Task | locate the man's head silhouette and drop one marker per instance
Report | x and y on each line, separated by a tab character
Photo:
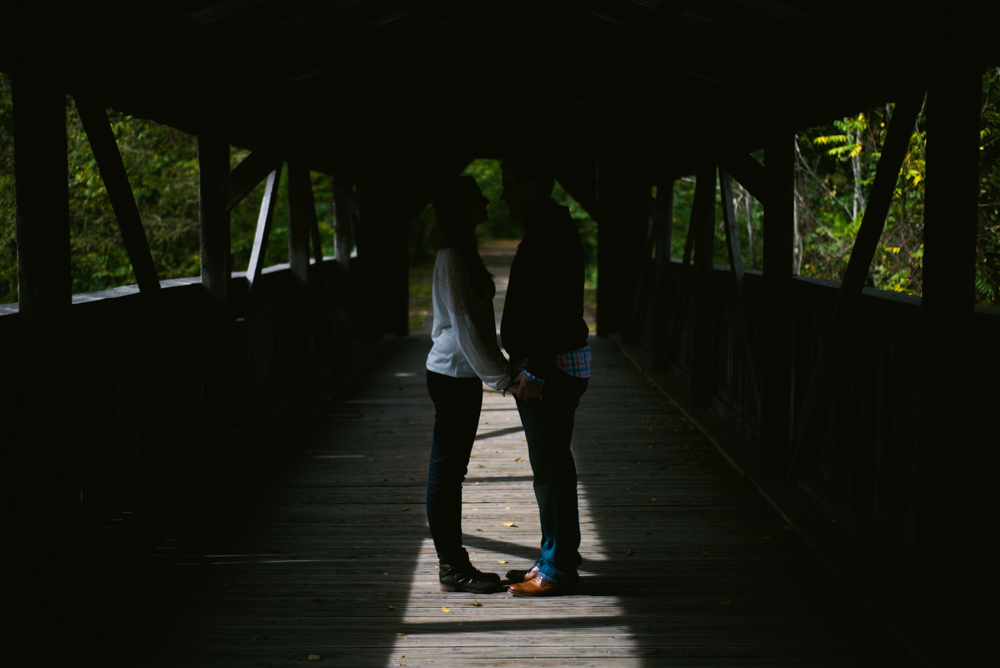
526	180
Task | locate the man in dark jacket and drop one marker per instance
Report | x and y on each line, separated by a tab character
544	333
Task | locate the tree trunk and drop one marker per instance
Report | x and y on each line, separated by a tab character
859	201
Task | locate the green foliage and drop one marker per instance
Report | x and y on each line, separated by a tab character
162	165
835	169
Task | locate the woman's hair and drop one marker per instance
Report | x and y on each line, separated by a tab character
451	209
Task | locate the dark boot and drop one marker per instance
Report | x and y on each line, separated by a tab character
467	578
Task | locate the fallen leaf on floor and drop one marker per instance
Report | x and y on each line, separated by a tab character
659	467
629	551
519	495
706	553
495	451
314	657
478	529
518	460
654	499
481	466
524	440
360	547
507	508
402	509
398	457
444	609
595	442
509	524
400	634
726	602
392	607
501	561
477	604
293	655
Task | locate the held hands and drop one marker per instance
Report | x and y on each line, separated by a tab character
524	389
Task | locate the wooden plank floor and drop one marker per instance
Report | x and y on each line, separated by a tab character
684	564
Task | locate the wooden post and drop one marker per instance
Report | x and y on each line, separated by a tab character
776	360
736	275
41	175
302	216
39	375
954	496
621	233
344	293
703	213
607	242
662	292
675	326
213	160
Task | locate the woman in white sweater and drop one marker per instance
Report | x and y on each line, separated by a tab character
465	355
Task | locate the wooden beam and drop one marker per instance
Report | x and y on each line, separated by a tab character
213	161
958	438
263	231
41	175
664	241
736	274
647	273
776	360
116	182
301	216
39	376
248	175
835	340
676	324
751	174
703	210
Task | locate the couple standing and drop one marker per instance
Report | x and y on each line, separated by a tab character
544	332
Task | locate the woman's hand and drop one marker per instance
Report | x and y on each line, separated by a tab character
527	390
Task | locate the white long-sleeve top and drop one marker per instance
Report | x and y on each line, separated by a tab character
464	333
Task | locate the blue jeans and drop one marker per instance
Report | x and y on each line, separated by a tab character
548	426
457	404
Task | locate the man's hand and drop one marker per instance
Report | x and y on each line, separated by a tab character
514	387
527	389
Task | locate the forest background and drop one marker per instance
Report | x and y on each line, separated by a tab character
835	169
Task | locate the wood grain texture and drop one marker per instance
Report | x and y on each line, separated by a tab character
684	564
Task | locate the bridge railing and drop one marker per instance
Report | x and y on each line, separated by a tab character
864	461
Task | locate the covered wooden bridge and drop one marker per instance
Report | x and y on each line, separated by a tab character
227	469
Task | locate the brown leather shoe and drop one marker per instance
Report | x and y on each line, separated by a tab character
523	576
538	586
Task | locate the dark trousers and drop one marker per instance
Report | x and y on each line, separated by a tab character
457	404
548	426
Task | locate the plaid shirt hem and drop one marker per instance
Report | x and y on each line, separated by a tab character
574	363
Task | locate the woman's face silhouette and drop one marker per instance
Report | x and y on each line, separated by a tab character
476	206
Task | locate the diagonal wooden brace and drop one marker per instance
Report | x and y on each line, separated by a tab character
886	174
109	161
